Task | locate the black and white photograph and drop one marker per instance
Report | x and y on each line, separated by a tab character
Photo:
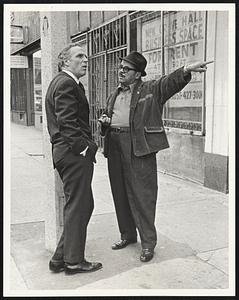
119	150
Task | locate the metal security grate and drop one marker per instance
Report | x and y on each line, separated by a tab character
105	45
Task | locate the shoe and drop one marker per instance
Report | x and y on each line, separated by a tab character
56	266
83	267
146	255
122	244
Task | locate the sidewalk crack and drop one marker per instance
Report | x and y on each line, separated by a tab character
215	249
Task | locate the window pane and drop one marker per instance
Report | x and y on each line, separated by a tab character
84	21
151	47
37	81
184	43
96	18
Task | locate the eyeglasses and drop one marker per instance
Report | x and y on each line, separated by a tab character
125	69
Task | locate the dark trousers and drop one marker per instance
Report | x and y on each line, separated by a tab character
134	187
76	173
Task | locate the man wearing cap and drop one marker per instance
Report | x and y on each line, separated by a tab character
133	133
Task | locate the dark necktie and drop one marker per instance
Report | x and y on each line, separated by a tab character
81	86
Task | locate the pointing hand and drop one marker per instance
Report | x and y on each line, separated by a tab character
197	66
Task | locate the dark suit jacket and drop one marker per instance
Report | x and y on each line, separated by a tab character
146	107
67	112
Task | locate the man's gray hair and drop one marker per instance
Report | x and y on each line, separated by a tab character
65	54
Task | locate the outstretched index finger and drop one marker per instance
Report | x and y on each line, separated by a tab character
208	62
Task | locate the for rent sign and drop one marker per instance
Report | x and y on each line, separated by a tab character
184	38
151	47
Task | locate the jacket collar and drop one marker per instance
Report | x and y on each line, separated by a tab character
123	88
77	80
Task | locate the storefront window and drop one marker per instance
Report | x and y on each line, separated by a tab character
184	34
37	81
151	45
183	42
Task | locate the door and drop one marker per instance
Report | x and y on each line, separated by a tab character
22	93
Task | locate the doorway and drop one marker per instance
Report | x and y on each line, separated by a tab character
37	89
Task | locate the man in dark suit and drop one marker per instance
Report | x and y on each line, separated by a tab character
73	153
133	129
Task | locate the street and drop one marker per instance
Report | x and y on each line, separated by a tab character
191	220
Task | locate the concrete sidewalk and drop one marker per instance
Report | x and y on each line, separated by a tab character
192	224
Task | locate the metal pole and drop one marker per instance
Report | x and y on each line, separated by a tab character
105	41
203	129
128	33
162	44
162	59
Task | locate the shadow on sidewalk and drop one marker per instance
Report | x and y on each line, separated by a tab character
28	250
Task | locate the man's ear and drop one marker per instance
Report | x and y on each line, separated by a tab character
138	75
66	62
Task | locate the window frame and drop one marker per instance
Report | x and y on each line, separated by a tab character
135	16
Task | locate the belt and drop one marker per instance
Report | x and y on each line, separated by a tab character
119	129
